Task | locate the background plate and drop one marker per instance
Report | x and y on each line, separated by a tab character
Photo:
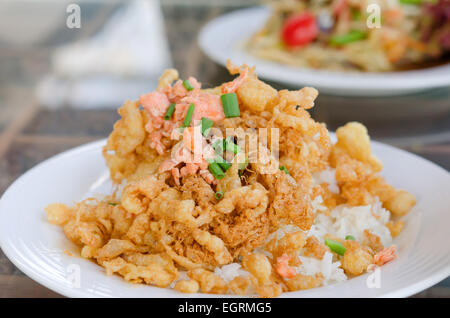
223	38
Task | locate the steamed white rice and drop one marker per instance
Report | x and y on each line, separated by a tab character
231	271
346	220
330	270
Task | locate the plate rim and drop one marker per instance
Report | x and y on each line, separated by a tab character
389	82
16	258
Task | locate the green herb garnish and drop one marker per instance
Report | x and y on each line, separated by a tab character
284	169
335	246
219	195
188	85
169	112
188	118
230	105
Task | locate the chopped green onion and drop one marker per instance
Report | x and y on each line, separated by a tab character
221	162
206	125
350	238
169	112
219	195
350	37
231	146
216	170
224	165
335	246
230	105
284	169
188	85
113	203
415	2
188	118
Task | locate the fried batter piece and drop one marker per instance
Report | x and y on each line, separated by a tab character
128	134
290	245
300	282
357	172
240	285
314	248
356	259
187	286
395	227
373	241
208	281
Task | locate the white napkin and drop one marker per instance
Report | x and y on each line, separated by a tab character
120	62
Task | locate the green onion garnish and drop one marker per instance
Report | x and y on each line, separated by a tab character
222	163
350	37
219	195
188	118
216	170
206	125
415	2
350	238
231	146
335	246
188	85
169	112
230	105
113	203
284	169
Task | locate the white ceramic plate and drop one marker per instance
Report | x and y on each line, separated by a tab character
223	39
38	248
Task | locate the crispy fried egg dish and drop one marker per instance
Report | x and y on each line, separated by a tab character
236	190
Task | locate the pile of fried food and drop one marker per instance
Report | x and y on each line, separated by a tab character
172	223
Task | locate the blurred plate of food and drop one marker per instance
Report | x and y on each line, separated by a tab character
328	45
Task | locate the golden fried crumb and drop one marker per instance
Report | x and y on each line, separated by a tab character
395	227
259	266
209	282
300	282
401	203
58	213
314	248
373	241
240	285
187	286
269	290
356	259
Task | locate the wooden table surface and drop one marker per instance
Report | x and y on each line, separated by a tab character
30	133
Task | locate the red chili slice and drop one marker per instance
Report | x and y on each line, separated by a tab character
300	29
